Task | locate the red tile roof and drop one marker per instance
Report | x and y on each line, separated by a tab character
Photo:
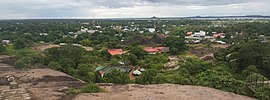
189	33
216	35
156	49
150	49
115	51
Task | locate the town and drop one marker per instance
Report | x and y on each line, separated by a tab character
90	55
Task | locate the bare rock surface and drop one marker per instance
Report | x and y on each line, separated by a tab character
160	92
48	84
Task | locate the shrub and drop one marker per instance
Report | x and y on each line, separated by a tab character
220	80
90	88
55	65
73	91
117	77
263	93
24	62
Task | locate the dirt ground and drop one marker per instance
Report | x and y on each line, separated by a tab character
200	50
160	92
42	84
47	46
44	47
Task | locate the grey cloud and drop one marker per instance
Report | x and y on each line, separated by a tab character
131	3
110	3
198	2
106	8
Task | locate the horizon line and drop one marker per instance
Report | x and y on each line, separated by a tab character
162	17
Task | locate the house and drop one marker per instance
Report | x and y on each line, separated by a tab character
102	70
116	51
91	31
126	28
62	44
45	34
199	34
5	42
151	30
193	40
220	42
163	49
151	50
84	30
137	73
189	33
98	26
167	32
219	35
155	50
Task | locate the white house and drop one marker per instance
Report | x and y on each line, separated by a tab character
98	26
91	31
220	42
151	30
199	34
5	42
43	34
61	44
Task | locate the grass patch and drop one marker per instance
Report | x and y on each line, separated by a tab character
89	88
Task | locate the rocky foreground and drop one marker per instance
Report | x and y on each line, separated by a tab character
160	92
47	84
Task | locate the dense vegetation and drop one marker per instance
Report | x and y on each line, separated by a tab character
244	63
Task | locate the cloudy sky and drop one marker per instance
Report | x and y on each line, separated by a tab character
25	9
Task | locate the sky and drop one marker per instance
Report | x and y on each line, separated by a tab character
88	9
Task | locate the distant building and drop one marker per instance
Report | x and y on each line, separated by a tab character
116	51
5	42
98	26
43	34
199	34
84	30
91	31
105	70
167	32
155	50
62	44
220	42
151	30
219	35
189	33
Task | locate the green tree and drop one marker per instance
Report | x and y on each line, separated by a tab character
2	49
220	80
73	53
133	59
55	65
177	45
117	77
196	66
91	59
67	63
147	77
139	52
250	69
86	42
263	93
24	62
19	44
105	54
90	88
254	78
85	72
